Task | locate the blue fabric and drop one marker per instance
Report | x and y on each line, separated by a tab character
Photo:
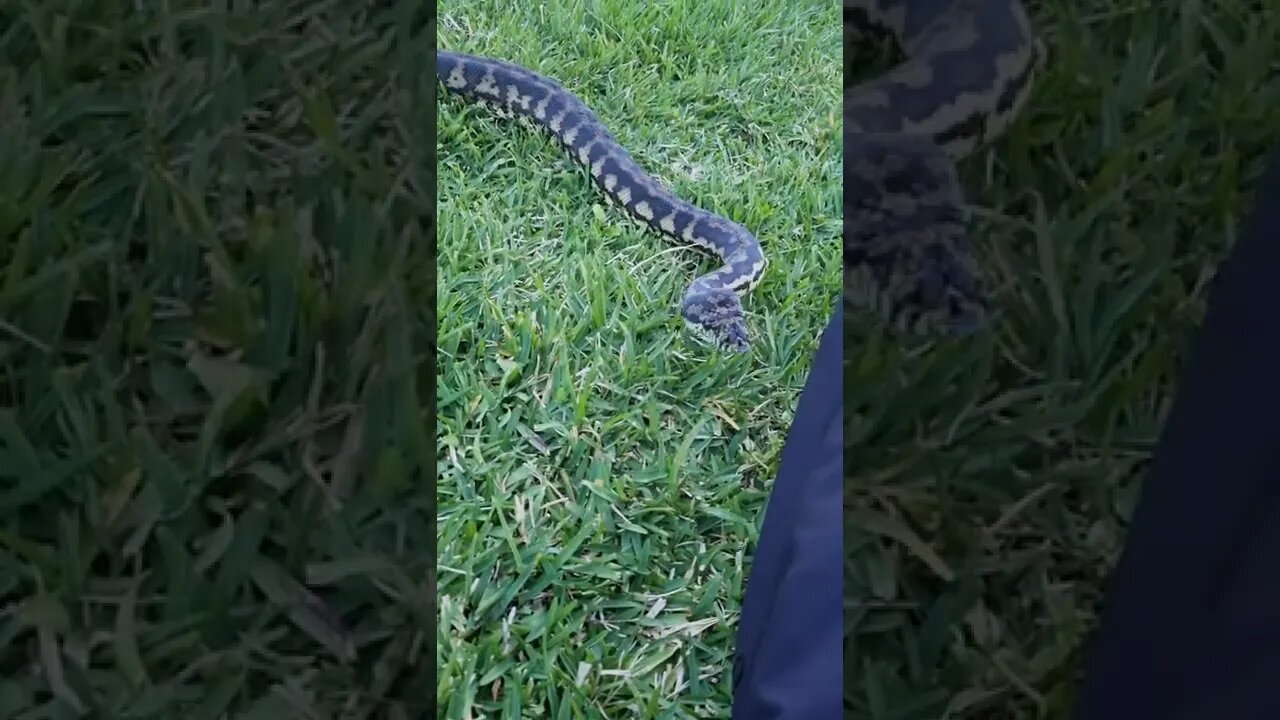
1191	623
788	662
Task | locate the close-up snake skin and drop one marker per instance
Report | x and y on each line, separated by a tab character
712	306
968	69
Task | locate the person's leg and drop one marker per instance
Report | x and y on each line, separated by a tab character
1191	622
788	660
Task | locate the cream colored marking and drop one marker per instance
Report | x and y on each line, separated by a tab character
624	195
598	166
893	17
737	283
643	210
668	223
1006	68
687	233
555	121
916	75
570	135
488	85
457	79
960	35
515	98
540	110
872	98
610	181
1012	66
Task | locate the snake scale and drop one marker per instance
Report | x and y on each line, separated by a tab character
967	71
712	305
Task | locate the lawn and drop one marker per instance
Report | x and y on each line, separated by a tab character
602	475
991	478
213	360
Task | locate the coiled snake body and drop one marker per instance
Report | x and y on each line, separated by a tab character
712	306
969	67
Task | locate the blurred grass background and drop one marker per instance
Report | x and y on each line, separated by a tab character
601	476
213	360
991	479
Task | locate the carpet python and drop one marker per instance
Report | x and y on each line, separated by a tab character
967	71
712	305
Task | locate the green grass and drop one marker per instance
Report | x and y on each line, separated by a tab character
602	475
994	476
213	362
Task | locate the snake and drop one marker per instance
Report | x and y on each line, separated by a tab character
966	71
712	305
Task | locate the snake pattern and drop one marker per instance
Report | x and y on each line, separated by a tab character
712	306
967	71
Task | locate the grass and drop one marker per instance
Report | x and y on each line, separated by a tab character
213	366
601	475
994	476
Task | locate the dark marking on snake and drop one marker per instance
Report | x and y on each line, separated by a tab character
712	305
968	69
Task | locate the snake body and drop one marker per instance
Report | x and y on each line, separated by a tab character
712	305
969	66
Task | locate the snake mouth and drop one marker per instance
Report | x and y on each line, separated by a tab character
735	341
951	307
730	339
950	323
922	302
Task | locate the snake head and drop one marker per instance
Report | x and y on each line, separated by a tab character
906	253
716	316
920	279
